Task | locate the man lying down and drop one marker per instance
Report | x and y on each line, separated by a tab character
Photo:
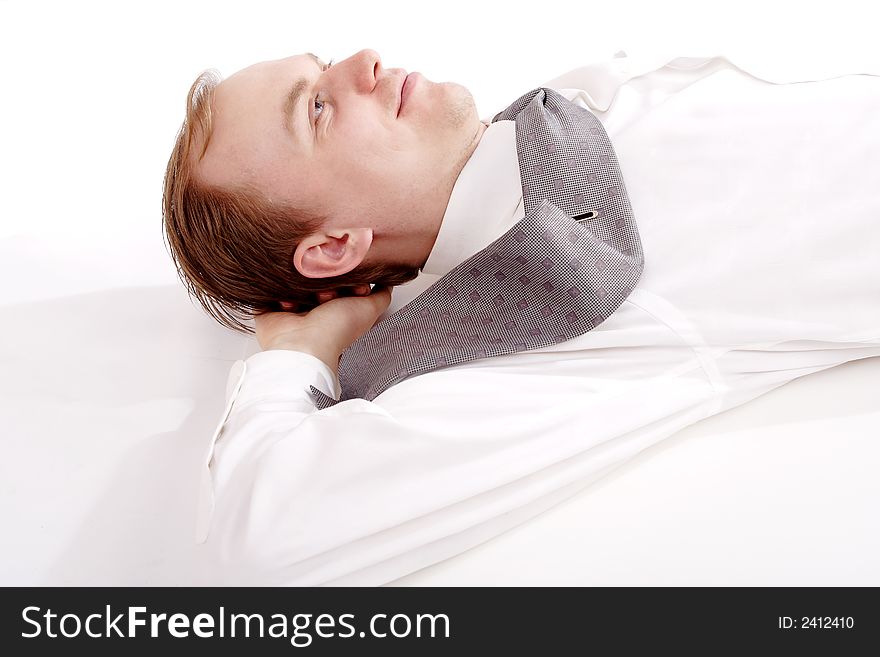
612	257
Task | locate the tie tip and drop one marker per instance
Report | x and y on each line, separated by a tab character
322	400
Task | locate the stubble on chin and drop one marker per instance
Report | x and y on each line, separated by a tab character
461	110
460	116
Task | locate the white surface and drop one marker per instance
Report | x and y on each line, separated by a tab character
112	379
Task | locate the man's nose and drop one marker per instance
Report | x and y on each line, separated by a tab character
368	70
364	68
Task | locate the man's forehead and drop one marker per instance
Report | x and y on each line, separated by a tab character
301	62
258	87
243	109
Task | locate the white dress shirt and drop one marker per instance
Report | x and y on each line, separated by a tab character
756	207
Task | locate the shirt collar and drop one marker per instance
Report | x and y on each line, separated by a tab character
483	202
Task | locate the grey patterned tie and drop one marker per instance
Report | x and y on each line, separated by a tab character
557	273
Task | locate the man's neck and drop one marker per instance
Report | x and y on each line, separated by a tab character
438	219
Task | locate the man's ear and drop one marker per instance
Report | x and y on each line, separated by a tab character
333	253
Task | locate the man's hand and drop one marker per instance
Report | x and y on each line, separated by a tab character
328	329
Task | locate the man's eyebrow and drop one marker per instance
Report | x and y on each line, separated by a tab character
293	97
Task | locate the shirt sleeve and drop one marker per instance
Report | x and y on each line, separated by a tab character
364	492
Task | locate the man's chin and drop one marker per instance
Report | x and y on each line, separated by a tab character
459	108
459	91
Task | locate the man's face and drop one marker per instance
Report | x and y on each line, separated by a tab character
344	147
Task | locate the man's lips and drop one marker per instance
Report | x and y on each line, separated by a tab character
406	89
400	97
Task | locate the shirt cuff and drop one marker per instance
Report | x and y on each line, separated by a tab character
284	375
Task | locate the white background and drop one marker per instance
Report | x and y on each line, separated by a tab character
93	92
92	96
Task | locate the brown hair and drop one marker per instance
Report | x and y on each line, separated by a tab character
232	248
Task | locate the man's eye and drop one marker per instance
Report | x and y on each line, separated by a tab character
317	100
320	102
